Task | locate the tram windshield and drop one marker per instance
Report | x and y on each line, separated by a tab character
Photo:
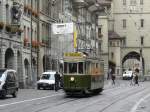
73	67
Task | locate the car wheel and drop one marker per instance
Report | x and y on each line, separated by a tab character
38	87
15	94
53	87
3	96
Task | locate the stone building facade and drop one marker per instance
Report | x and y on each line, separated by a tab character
27	43
129	43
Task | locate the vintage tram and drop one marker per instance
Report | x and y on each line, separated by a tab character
82	74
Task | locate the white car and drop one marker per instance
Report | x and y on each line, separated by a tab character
47	80
127	74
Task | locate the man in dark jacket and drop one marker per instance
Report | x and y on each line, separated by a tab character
113	77
57	80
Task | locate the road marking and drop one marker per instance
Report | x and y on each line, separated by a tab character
138	103
30	100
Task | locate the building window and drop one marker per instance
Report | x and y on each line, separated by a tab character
123	42
110	43
142	23
99	32
132	2
142	40
141	2
112	55
100	47
7	14
124	2
28	32
113	44
24	31
124	23
117	43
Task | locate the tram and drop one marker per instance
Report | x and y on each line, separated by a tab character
82	74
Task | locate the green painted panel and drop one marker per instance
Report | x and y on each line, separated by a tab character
77	81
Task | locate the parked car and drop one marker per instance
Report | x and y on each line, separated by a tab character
47	80
8	83
127	74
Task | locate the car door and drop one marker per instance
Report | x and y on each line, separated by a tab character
10	82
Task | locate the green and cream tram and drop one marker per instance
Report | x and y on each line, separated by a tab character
82	74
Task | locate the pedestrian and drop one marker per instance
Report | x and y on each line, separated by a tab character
132	79
57	81
109	73
136	79
113	77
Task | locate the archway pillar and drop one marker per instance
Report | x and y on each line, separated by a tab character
3	58
15	60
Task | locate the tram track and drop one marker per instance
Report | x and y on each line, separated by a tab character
124	97
102	110
78	99
72	100
65	101
112	103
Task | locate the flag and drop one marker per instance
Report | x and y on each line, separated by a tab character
75	38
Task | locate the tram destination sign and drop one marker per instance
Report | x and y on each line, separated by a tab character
73	54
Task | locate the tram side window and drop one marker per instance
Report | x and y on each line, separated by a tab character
87	67
72	67
65	67
80	67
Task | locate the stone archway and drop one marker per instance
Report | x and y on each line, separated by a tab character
9	58
132	60
27	73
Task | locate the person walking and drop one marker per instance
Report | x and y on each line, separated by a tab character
132	79
113	77
109	73
57	80
136	78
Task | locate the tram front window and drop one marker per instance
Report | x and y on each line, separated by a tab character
80	68
65	67
72	67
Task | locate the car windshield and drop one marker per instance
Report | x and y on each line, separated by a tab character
1	73
47	76
128	72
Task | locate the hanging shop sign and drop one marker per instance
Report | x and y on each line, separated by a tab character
62	28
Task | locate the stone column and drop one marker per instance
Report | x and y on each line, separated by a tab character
15	60
3	57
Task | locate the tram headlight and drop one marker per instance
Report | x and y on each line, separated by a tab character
71	78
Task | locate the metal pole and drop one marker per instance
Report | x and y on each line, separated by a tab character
31	44
38	40
141	63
